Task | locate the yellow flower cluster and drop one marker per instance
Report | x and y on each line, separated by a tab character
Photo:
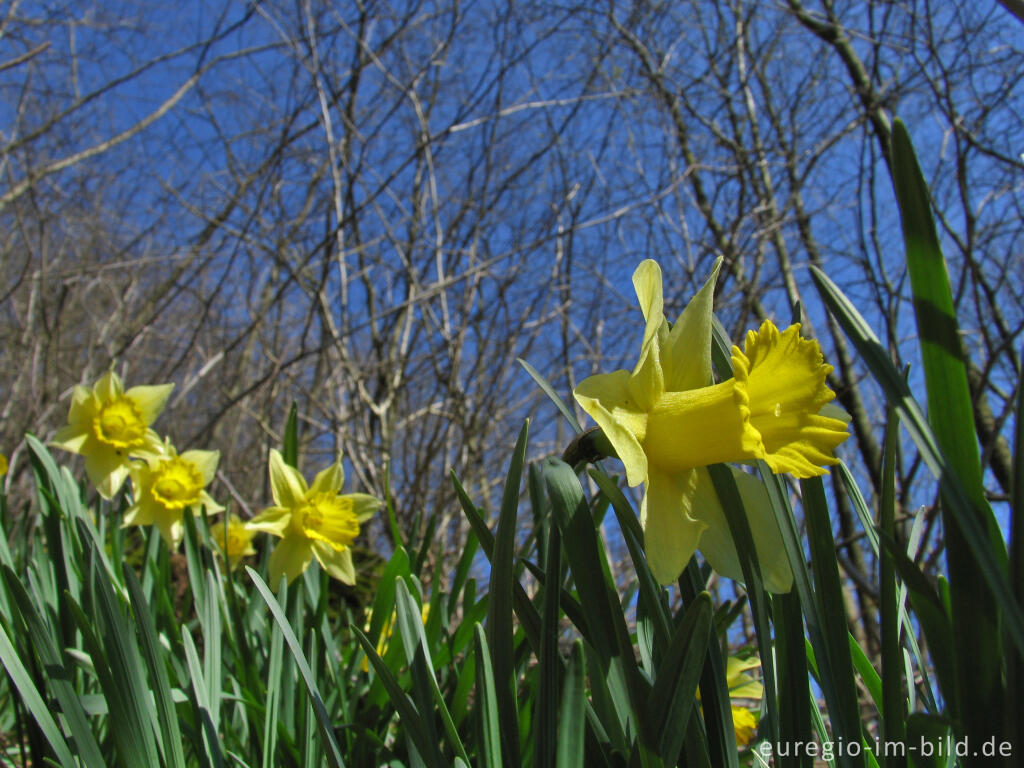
110	427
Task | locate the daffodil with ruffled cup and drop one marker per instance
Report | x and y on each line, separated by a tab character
667	422
314	520
166	485
108	425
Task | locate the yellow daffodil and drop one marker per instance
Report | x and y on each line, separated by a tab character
743	686
233	538
744	724
107	425
667	421
3	465
312	521
167	484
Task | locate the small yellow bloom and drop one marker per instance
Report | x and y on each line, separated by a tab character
107	425
667	421
233	538
3	465
166	484
744	724
312	521
742	686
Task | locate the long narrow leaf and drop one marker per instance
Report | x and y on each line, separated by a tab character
499	614
989	561
978	652
572	713
330	744
33	700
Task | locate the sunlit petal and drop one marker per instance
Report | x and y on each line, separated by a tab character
337	563
686	357
273	520
329	480
287	485
150	399
717	543
364	506
291	556
671	533
606	398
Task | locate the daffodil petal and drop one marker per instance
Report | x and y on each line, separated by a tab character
647	382
137	514
208	502
204	461
338	564
150	399
751	689
290	557
745	726
606	398
671	533
717	543
171	529
108	387
686	357
329	480
106	470
273	520
70	438
287	485
364	506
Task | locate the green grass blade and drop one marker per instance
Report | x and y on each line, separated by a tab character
153	655
487	702
414	639
33	700
499	615
58	675
673	694
598	594
739	527
325	730
892	704
573	712
715	701
416	731
650	593
1015	657
274	688
868	675
979	698
794	688
988	560
549	666
837	677
555	398
930	611
290	443
213	752
115	652
527	614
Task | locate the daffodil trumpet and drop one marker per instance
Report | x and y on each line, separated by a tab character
667	421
